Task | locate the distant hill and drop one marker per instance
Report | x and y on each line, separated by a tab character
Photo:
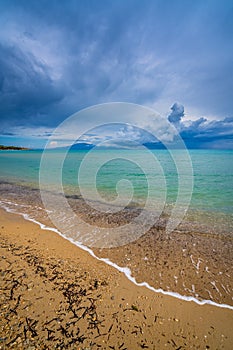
13	148
82	145
150	145
154	145
88	146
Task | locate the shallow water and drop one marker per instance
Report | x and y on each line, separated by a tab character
212	170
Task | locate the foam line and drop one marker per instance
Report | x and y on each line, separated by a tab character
125	270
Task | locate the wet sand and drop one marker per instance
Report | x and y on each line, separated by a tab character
191	264
55	295
194	261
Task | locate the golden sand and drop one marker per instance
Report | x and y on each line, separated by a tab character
56	296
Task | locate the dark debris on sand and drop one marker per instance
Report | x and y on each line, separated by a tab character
46	304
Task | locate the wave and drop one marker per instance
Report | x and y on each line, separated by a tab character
125	270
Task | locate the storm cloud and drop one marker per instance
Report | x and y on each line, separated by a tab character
26	87
176	114
204	133
59	57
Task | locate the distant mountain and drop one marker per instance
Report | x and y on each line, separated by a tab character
154	145
82	145
88	146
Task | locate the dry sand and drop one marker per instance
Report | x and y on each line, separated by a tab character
56	296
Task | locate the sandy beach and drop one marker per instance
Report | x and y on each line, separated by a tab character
56	296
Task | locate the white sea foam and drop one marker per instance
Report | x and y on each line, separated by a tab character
125	270
196	265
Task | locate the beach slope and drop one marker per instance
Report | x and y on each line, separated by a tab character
55	295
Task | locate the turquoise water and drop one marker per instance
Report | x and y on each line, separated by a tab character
212	174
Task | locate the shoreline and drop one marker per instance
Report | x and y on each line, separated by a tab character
118	296
125	270
186	264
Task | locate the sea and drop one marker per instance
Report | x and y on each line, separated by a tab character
182	244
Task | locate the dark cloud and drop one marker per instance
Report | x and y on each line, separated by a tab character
176	114
207	128
26	88
204	133
61	57
58	57
7	134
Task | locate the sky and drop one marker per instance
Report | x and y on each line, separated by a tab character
58	57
